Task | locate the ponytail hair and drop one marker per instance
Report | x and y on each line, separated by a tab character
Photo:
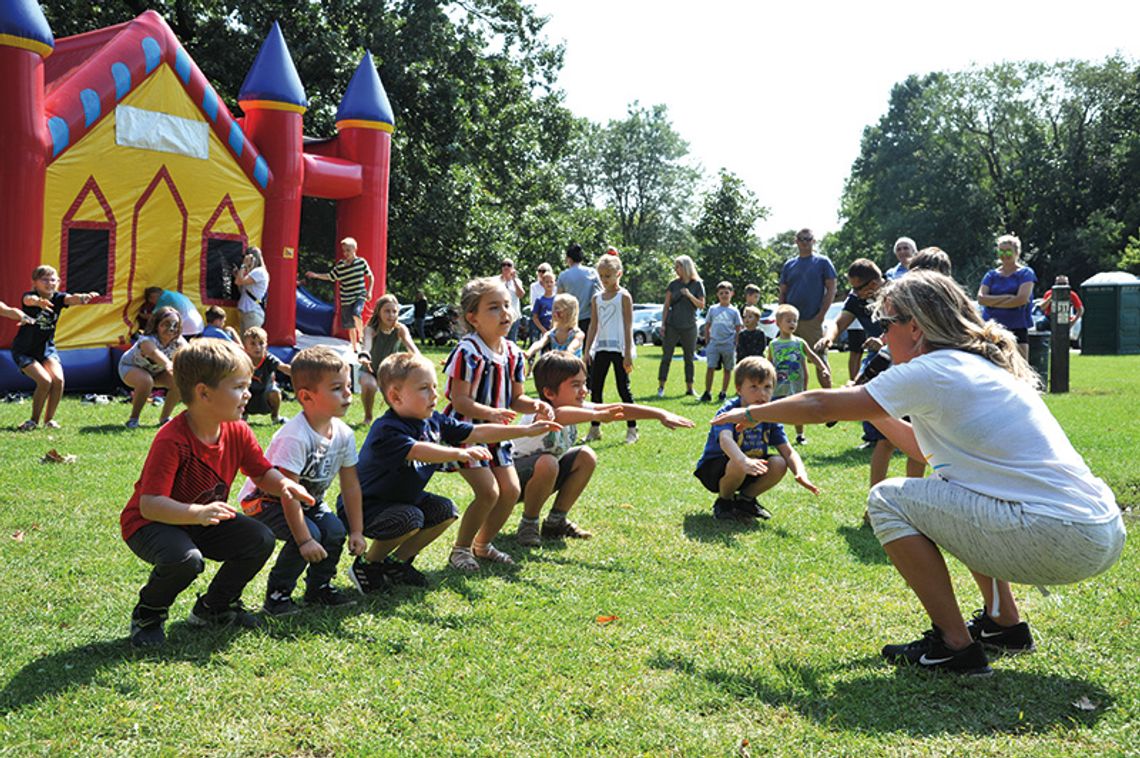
950	321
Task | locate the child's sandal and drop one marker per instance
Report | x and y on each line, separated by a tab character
491	553
27	426
462	560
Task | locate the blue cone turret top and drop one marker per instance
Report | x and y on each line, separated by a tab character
365	103
272	81
22	24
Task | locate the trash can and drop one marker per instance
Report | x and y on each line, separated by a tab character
1039	354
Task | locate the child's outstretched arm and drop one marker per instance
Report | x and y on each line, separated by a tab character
353	508
276	483
796	466
501	432
577	342
577	414
534	349
15	314
80	298
432	452
814	358
634	412
523	404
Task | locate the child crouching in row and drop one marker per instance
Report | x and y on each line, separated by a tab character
404	448
737	464
551	463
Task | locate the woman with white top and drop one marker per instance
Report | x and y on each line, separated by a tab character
253	279
1009	496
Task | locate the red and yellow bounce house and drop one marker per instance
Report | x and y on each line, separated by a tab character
122	167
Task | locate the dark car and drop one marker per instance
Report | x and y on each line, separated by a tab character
646	326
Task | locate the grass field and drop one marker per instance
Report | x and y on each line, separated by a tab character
726	635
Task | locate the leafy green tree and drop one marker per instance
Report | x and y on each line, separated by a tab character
728	248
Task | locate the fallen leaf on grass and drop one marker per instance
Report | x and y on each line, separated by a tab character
743	751
54	456
606	619
1084	704
18	535
627	506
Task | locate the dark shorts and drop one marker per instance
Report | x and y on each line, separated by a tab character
351	311
871	433
259	403
386	520
1022	336
23	360
525	466
712	471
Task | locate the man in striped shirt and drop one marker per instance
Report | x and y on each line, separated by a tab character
356	283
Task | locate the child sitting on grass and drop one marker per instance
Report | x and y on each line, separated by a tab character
178	512
265	395
790	355
404	448
551	463
312	448
739	465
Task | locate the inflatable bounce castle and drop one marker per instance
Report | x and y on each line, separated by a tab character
122	167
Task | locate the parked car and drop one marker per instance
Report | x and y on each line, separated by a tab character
406	315
646	324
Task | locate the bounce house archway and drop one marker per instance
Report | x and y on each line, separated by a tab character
121	167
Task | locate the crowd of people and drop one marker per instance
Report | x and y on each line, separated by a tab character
1029	513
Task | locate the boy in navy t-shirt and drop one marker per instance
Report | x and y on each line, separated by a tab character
404	448
737	464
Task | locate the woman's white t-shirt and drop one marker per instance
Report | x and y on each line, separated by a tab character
253	294
980	427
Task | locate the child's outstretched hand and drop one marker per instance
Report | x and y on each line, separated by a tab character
211	514
473	454
543	410
501	416
539	428
312	551
356	543
737	417
291	490
673	421
804	482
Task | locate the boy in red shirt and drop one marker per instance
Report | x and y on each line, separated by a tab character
178	512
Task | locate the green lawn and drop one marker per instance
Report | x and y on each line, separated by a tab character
725	633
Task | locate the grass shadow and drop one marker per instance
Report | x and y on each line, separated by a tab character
850	456
916	703
111	428
862	543
704	527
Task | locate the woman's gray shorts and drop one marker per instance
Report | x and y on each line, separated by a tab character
994	537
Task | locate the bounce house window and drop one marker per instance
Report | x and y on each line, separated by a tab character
223	258
88	260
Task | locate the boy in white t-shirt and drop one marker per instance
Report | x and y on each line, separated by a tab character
312	448
551	463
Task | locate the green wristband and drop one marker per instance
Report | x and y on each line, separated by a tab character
748	413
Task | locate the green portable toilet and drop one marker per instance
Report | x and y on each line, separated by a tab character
1112	314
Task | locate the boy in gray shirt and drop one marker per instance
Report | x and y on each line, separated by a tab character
721	327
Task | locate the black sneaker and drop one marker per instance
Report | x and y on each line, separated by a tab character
749	506
1006	640
705	398
328	596
403	572
368	577
932	654
279	604
233	614
801	440
722	397
724	510
146	626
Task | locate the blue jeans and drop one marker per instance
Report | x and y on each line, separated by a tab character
513	334
324	527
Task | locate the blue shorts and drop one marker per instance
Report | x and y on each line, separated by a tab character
23	360
349	312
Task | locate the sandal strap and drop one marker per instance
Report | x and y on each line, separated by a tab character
491	553
462	559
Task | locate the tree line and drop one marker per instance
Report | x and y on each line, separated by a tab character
488	163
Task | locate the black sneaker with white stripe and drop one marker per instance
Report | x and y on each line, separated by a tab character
931	653
1004	640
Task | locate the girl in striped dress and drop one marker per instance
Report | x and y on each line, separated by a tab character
485	375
